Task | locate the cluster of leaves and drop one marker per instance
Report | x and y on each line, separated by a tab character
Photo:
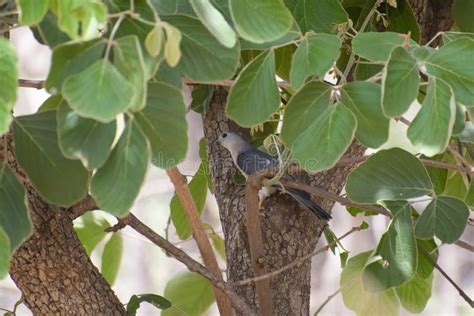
122	63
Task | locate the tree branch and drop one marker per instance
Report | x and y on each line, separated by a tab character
26	83
330	297
297	261
190	263
257	253
203	243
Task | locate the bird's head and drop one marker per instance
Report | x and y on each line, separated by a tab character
232	142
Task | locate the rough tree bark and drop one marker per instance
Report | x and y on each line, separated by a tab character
51	268
289	231
56	276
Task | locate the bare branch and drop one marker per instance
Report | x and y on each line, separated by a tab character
463	294
203	243
464	245
257	253
189	262
297	261
86	204
330	297
25	83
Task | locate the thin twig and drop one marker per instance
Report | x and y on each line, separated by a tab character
463	294
257	253
464	245
26	83
330	297
202	240
190	263
297	261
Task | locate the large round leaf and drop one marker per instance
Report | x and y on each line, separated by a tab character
396	251
99	92
320	16
400	82
203	58
84	139
255	96
261	21
314	56
377	46
431	129
305	107
392	174
445	217
363	98
163	121
115	186
324	142
415	294
32	11
59	180
453	64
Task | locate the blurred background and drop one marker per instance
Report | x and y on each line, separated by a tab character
146	269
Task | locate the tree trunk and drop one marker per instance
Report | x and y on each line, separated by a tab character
433	16
51	268
289	232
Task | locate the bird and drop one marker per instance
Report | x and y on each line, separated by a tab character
250	160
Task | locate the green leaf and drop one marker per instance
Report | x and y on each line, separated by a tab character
71	58
260	21
324	142
415	294
467	134
214	22
4	254
99	92
358	299
315	56
366	71
457	72
130	63
402	20
455	186
321	16
48	33
445	217
155	300
283	59
438	176
189	292
111	258
163	121
400	82
469	198
459	120
8	82
205	164
254	95
116	184
51	103
169	75
396	254
462	14
376	46
201	98
392	174
198	188
452	36
218	244
289	37
84	139
81	19
32	11
91	230
59	180
425	266
431	129
303	109
203	58
172	7
363	98
15	222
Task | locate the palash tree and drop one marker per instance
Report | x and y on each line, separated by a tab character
321	81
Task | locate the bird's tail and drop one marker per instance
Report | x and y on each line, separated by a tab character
305	199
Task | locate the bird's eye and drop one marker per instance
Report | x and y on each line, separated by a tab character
224	135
